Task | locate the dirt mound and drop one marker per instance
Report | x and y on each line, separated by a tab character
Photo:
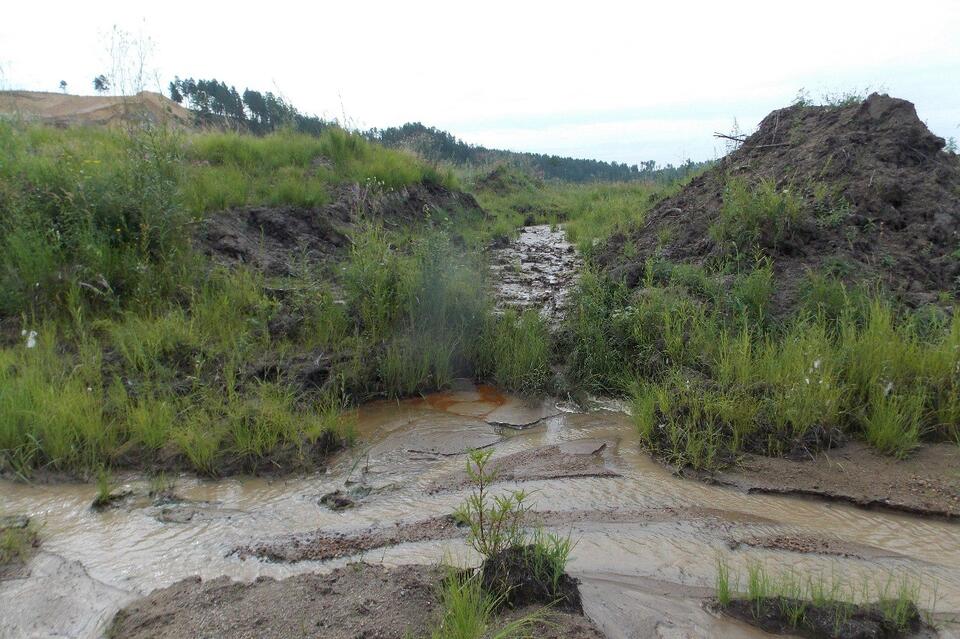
359	600
276	239
523	581
62	110
865	192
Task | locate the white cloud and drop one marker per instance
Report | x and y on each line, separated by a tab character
464	66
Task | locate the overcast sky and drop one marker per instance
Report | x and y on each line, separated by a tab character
626	81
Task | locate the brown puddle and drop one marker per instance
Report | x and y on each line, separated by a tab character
647	542
479	402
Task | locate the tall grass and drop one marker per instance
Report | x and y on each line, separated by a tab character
425	316
230	169
792	595
468	612
146	354
710	379
589	212
515	351
89	216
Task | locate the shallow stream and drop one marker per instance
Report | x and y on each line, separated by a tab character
646	541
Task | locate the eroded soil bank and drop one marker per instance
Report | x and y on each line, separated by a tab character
926	483
646	551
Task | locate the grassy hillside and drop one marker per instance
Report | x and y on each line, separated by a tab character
125	342
800	292
124	345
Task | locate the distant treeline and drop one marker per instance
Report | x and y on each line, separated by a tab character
440	146
258	112
261	113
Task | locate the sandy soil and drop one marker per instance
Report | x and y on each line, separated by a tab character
926	483
811	545
359	600
582	458
321	545
64	109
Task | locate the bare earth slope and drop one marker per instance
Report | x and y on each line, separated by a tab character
63	109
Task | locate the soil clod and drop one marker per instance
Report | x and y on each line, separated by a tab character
516	574
828	621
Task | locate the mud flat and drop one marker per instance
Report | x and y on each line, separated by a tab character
926	483
645	555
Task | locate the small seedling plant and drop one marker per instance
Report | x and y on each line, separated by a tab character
495	522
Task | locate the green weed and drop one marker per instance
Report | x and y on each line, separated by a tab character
761	215
468	611
515	351
17	542
495	522
794	593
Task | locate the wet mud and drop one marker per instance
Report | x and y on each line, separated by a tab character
826	621
926	483
536	271
582	458
320	545
513	573
813	545
646	541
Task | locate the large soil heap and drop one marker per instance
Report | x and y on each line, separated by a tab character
879	199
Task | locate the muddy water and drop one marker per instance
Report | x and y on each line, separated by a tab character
536	270
646	542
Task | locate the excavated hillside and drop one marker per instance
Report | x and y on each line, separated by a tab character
61	109
874	197
275	239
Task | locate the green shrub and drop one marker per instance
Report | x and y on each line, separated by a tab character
761	215
752	292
